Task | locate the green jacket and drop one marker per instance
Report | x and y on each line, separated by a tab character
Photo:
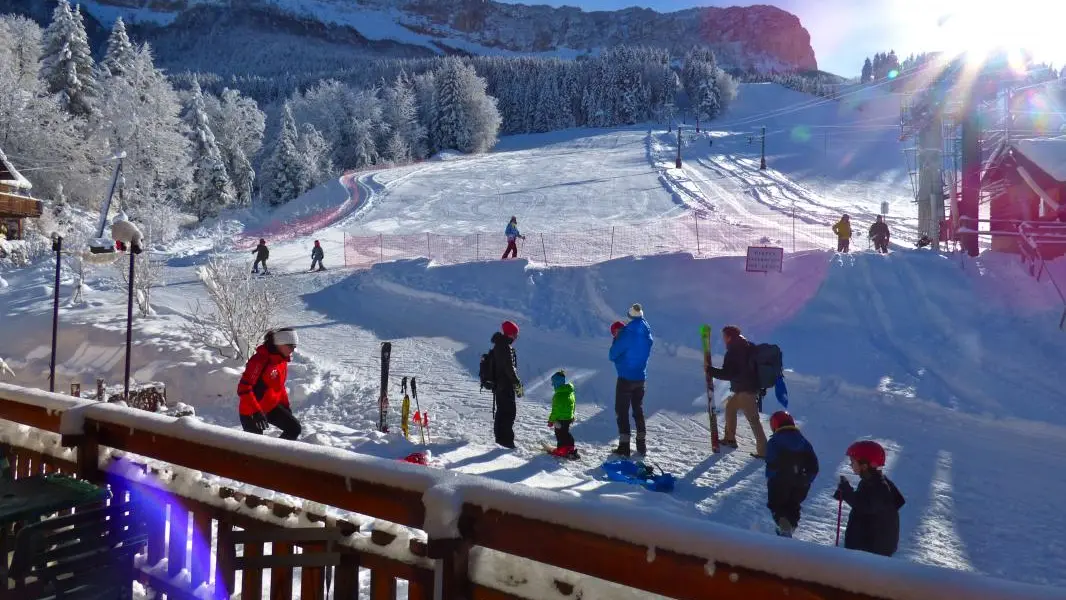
563	402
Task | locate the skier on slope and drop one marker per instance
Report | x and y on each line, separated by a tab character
879	234
507	386
512	234
791	466
317	254
630	352
873	525
744	385
262	253
264	400
842	229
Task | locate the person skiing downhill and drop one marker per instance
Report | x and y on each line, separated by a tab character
512	234
562	415
873	525
842	229
630	352
507	384
791	466
879	234
744	386
264	400
317	254
262	253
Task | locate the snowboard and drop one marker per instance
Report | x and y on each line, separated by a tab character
383	400
712	411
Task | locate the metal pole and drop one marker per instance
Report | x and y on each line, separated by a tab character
762	165
677	164
543	248
477	246
129	330
429	248
793	225
696	216
57	247
611	254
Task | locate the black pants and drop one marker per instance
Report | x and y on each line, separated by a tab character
503	424
281	417
512	249
843	244
255	265
881	244
629	395
317	261
563	437
784	497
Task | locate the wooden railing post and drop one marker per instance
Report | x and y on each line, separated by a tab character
452	577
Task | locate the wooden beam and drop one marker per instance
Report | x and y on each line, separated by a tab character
1044	197
28	414
372	499
670	574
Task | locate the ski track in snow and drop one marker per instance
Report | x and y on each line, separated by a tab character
953	369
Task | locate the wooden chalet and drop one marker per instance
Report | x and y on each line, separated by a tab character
1026	180
15	201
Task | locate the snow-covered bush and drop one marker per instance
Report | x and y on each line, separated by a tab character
244	309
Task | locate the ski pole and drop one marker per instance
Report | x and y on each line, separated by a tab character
840	511
421	428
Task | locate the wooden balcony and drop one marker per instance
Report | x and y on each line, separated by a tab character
439	534
17	206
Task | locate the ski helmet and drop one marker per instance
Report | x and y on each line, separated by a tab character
781	419
869	452
510	329
616	327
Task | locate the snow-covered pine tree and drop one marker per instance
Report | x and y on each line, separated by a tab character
67	66
212	190
238	125
316	154
867	71
286	168
400	111
119	49
451	123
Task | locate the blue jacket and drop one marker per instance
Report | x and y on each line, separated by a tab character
512	231
790	456
631	349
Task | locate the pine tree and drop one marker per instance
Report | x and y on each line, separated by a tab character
212	190
867	71
67	66
400	111
288	177
314	152
451	120
119	50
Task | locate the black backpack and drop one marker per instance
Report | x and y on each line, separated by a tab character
487	371
768	364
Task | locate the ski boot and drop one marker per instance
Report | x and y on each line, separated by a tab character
622	450
642	448
784	528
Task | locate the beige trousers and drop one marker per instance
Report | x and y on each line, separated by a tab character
746	403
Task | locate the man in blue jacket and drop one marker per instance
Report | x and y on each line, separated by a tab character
629	353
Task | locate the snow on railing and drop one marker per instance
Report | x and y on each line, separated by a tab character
653	551
1031	235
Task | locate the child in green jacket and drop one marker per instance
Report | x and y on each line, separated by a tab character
562	415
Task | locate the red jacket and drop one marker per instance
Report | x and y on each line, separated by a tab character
262	386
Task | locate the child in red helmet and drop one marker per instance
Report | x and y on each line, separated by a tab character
873	525
791	466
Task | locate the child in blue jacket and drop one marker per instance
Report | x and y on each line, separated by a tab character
791	466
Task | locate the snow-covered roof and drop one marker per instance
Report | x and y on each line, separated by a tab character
9	176
1047	153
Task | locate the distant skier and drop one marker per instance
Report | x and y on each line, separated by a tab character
562	415
873	525
513	235
262	253
264	400
879	234
842	229
507	384
630	352
317	255
744	385
791	466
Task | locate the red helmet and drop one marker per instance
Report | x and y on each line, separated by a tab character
781	419
510	329
616	327
869	452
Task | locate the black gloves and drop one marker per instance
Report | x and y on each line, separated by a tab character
260	421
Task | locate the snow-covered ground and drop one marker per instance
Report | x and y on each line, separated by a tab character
951	362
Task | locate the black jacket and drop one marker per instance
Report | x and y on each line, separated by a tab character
873	525
879	230
505	363
317	253
261	252
737	368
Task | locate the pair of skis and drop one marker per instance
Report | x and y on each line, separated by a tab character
405	408
712	411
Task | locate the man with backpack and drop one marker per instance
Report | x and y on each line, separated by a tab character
498	372
739	369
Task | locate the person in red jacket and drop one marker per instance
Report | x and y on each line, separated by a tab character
264	401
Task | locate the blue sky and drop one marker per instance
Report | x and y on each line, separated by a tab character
843	32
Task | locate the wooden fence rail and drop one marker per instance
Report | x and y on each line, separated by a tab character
410	526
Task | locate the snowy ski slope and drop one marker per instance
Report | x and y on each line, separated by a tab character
952	363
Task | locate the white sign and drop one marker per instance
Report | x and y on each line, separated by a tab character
763	259
884	208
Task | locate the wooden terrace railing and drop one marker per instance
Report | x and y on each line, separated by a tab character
435	532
